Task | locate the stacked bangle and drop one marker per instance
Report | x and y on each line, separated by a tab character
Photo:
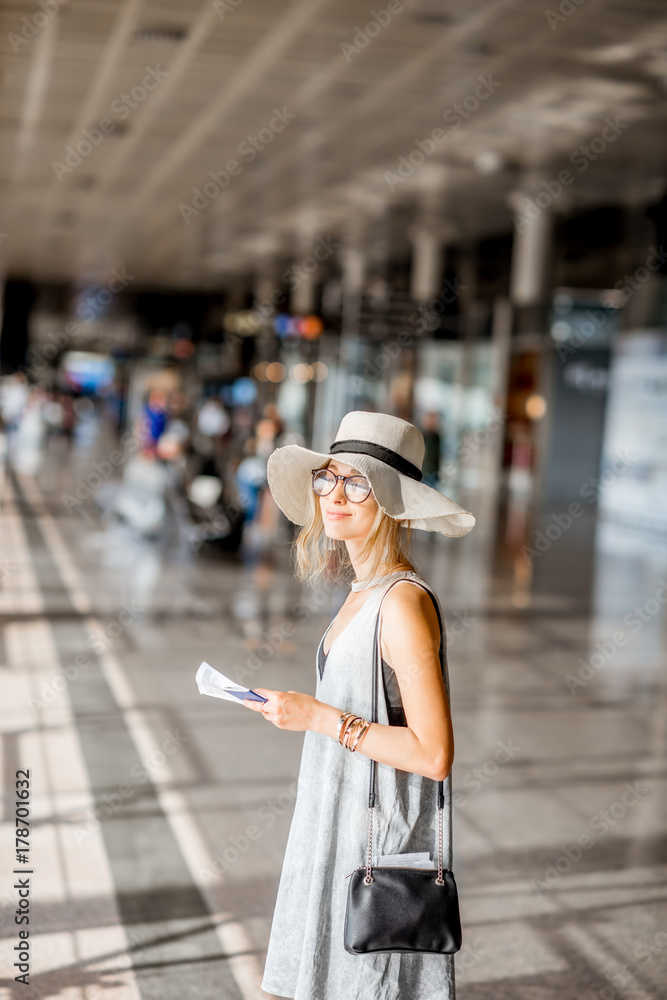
351	728
342	722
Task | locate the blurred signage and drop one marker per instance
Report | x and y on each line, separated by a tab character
248	322
633	480
86	372
584	320
245	322
306	327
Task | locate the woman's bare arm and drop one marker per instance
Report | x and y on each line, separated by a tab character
410	638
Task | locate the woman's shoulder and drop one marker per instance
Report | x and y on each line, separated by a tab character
410	614
405	584
403	594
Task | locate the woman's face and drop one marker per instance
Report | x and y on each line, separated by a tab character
342	519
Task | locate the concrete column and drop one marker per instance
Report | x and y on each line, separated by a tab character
353	266
265	283
531	250
426	263
306	268
302	299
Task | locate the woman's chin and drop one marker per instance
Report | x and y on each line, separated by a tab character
336	534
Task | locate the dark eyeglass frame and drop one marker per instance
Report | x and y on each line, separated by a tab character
345	479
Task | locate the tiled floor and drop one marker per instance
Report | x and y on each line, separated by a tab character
145	885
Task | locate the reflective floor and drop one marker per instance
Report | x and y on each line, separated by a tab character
160	817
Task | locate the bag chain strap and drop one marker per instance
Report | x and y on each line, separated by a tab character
368	879
440	880
369	860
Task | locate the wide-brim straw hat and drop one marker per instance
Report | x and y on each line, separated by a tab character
389	451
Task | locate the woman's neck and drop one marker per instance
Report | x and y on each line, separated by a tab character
362	568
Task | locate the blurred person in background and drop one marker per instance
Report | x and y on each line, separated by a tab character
152	421
53	414
86	424
250	480
14	393
212	423
69	418
432	446
171	451
356	512
30	436
210	438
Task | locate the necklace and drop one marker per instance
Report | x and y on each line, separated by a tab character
375	582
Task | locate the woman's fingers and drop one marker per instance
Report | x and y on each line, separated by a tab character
256	706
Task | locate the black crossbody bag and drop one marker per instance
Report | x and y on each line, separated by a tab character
390	908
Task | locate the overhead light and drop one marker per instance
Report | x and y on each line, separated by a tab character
536	407
275	372
301	372
561	331
160	33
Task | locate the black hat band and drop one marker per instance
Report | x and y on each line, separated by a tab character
385	455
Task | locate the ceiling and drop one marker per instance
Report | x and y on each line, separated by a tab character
199	79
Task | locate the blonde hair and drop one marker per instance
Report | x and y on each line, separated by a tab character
388	542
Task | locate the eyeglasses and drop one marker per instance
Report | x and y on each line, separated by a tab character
356	488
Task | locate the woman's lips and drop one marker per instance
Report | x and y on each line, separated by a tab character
335	515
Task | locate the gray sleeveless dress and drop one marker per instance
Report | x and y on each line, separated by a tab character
306	958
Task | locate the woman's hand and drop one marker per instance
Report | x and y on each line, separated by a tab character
285	709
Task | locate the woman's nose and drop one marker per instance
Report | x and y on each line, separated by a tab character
339	494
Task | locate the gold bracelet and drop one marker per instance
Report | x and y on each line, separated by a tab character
349	718
346	716
352	730
362	732
347	728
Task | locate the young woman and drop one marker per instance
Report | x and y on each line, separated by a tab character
357	505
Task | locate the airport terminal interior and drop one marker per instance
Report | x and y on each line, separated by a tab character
223	226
